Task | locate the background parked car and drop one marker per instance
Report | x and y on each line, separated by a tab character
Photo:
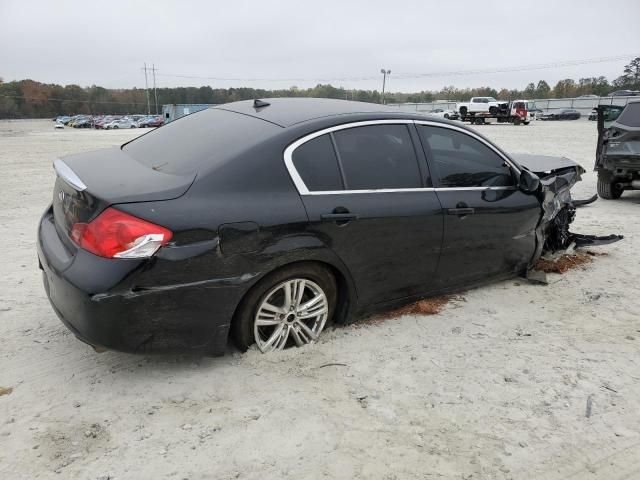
561	114
121	123
86	122
442	113
624	93
593	115
155	122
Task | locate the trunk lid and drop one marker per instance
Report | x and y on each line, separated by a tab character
87	183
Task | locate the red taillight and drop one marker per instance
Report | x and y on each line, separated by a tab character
115	234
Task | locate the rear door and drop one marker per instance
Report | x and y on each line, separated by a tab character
489	224
368	193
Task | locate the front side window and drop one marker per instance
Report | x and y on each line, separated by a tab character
462	161
378	157
317	164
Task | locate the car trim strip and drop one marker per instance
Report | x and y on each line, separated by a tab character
65	173
303	190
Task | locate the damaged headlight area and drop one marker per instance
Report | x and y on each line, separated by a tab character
559	211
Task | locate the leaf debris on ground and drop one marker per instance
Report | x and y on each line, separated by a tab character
429	306
563	263
5	390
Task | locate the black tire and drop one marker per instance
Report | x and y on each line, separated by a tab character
607	187
526	123
446	115
463	111
242	324
493	110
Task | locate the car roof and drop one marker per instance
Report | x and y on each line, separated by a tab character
286	112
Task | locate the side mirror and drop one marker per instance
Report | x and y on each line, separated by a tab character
529	182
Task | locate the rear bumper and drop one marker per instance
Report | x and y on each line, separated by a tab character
624	163
124	305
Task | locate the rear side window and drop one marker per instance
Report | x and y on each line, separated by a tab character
378	157
462	161
317	164
630	116
205	139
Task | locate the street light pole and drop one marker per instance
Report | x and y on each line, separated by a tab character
384	81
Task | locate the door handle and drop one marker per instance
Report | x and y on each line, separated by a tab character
461	210
338	217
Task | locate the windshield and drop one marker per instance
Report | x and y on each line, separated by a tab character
203	139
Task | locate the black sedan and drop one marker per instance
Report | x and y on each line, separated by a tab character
561	114
268	220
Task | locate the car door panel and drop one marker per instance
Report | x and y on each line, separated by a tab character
368	196
391	249
489	224
498	237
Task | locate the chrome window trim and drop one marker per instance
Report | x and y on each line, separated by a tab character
473	135
303	190
379	190
65	173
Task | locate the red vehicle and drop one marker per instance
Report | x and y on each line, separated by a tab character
156	122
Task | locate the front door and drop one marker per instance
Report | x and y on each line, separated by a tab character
489	224
369	195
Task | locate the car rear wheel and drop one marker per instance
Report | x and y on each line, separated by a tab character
607	188
289	307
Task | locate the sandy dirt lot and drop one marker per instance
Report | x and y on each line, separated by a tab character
496	386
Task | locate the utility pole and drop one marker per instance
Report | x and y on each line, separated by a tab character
384	80
155	92
146	88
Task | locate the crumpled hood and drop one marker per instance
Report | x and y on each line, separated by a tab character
543	165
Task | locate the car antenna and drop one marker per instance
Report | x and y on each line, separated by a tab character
257	103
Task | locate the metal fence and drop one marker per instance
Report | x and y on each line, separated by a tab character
583	105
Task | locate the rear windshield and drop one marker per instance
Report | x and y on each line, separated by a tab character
630	116
201	140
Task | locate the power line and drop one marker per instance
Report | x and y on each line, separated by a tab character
519	68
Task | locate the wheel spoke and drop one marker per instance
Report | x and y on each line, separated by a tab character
311	303
287	296
314	313
275	335
272	308
307	331
265	322
284	336
297	337
300	292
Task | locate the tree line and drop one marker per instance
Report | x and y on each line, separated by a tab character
32	99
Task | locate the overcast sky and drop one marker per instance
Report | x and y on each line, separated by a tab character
277	44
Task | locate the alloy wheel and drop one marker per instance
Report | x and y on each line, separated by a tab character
294	312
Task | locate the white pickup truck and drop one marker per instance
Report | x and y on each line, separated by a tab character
481	105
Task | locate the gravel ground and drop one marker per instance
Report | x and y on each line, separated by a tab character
509	381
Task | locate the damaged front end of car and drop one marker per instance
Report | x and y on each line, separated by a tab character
557	177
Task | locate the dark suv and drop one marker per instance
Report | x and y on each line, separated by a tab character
618	150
